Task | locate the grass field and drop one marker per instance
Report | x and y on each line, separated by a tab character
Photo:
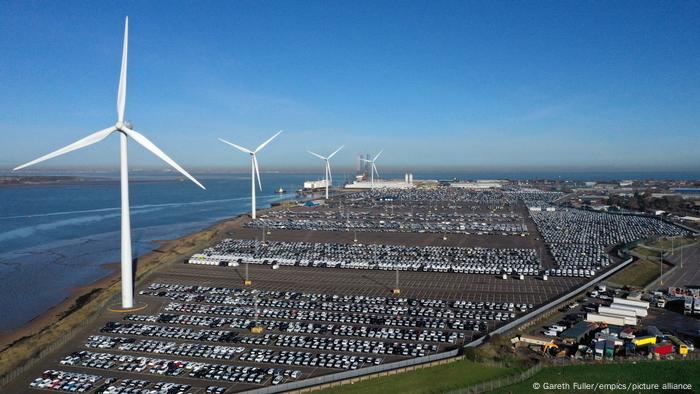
658	372
428	380
638	274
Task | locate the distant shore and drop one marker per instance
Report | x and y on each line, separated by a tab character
53	180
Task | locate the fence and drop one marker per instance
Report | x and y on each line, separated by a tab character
327	380
694	356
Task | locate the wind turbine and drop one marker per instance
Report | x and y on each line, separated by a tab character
124	129
254	169
329	176
373	167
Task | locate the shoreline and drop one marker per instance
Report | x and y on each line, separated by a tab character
60	310
25	342
73	300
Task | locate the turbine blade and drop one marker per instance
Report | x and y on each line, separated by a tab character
87	141
368	161
257	171
240	148
146	143
374	167
336	151
267	142
121	95
317	155
378	154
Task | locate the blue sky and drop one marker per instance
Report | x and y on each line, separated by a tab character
459	84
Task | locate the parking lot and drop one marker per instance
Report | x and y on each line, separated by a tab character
196	328
327	306
455	222
493	261
435	199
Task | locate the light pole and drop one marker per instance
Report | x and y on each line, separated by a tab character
396	291
247	281
256	329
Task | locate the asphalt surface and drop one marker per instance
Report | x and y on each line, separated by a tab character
688	274
416	285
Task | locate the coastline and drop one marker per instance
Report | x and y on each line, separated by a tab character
76	298
25	342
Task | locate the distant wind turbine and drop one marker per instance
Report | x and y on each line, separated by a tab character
329	176
124	129
254	169
373	167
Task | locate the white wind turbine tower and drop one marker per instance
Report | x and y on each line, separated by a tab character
329	176
373	167
124	130
254	169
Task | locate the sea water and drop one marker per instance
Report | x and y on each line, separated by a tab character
54	238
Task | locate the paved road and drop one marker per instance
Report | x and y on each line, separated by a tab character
689	273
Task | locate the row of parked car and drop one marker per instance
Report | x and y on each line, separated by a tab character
466	316
198	370
368	221
168	332
435	197
233	252
306	359
137	386
72	382
129	344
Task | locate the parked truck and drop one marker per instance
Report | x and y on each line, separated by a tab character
688	306
599	350
680	345
609	349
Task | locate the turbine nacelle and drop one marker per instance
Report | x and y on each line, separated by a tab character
123	125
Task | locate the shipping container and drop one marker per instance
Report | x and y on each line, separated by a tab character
644	341
634	303
663	348
640	312
606	310
596	318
